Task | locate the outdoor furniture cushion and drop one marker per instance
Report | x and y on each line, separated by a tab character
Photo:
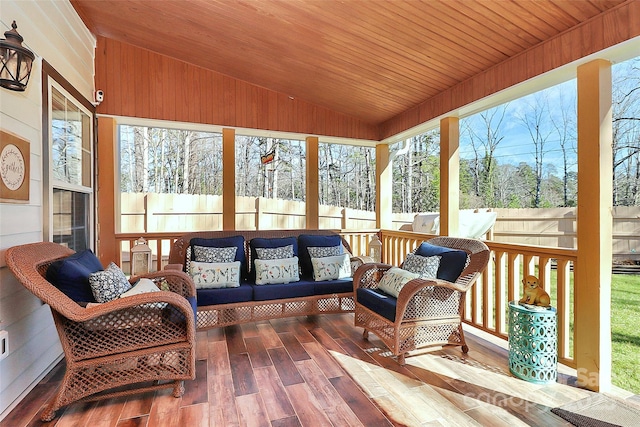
309	240
71	275
283	290
452	261
214	296
337	286
209	254
269	243
223	242
378	302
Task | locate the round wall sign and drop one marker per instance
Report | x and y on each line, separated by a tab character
12	167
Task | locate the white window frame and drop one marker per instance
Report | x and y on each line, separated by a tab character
50	183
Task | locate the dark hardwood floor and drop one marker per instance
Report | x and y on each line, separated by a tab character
319	371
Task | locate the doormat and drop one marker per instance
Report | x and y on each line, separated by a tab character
599	411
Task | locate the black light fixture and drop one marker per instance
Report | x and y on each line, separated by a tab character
15	61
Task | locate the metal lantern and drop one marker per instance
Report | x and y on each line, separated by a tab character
15	61
375	248
140	257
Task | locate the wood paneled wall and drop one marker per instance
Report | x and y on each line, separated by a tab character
606	30
140	83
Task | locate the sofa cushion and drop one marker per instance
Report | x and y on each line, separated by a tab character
269	243
283	290
338	286
452	261
378	302
310	240
331	267
242	293
71	275
274	271
224	242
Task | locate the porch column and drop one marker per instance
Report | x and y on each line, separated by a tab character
107	250
449	176
594	227
312	186
384	187
228	179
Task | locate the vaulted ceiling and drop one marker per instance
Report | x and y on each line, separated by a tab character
371	59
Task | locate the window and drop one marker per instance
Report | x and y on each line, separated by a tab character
69	198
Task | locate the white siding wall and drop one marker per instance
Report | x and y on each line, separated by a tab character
54	32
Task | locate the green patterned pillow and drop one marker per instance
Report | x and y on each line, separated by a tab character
394	279
273	271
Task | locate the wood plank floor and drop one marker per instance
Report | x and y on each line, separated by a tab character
319	371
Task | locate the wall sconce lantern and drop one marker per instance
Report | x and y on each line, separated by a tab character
140	257
15	61
375	248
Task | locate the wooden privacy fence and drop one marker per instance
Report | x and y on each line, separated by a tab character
554	227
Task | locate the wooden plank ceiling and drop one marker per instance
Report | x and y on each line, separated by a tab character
371	59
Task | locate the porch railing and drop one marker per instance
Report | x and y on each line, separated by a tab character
487	301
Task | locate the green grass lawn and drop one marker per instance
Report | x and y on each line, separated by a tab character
625	331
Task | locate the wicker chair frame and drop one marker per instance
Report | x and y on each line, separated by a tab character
428	312
118	348
215	316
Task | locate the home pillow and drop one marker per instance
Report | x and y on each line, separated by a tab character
222	242
452	261
209	254
275	253
109	284
71	275
306	241
324	251
213	275
425	266
394	279
331	267
271	271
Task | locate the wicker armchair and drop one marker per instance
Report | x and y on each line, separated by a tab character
427	312
122	347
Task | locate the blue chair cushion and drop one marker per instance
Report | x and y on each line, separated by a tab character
452	261
243	293
71	275
224	242
337	286
378	302
262	242
282	290
309	240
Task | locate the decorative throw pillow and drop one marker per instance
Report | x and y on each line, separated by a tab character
331	267
212	275
394	279
211	254
452	263
143	286
425	266
324	251
313	240
275	253
109	284
271	271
